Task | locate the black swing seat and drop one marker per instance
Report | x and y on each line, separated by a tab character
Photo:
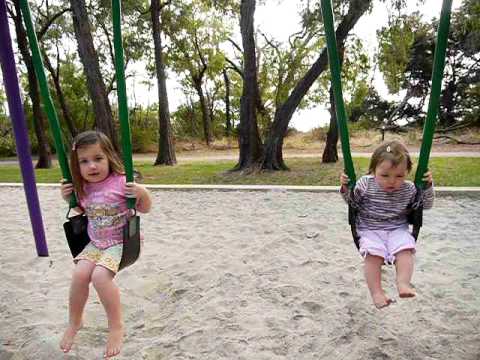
77	237
76	232
131	242
415	217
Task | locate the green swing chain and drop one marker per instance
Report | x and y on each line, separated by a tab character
50	109
122	96
47	99
433	103
437	75
335	71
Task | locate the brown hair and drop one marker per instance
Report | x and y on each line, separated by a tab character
393	151
88	138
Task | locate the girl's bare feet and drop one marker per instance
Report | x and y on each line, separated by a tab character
381	300
405	290
114	342
68	337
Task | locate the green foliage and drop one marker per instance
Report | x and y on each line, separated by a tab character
362	125
394	43
7	140
459	100
144	129
186	123
74	87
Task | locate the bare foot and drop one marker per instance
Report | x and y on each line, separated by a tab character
406	291
68	336
114	342
381	300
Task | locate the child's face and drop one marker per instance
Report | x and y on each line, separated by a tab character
389	177
94	166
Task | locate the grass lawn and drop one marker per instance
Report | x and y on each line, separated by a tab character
447	171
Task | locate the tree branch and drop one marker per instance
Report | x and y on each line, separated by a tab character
234	67
50	21
110	46
235	45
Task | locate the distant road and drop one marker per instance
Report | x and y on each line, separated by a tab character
192	156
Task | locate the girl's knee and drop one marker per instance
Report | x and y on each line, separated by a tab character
101	276
82	272
405	253
374	259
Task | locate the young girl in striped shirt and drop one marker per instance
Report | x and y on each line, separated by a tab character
383	198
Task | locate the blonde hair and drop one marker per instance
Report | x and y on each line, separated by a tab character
85	139
393	151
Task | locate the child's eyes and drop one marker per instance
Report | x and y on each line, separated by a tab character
98	158
83	161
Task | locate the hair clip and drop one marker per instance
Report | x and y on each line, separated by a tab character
389	149
74	146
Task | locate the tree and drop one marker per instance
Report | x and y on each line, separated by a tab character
228	121
195	33
462	67
249	141
166	149
44	152
95	83
273	157
330	153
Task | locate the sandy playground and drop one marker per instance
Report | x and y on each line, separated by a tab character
247	275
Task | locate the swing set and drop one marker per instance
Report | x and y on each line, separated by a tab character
416	213
75	227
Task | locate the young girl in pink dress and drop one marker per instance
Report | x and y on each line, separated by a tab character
100	185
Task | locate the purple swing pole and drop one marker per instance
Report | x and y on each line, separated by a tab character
15	107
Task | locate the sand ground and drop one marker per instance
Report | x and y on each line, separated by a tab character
247	275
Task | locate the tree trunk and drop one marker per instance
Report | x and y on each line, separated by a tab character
95	84
330	153
166	147
273	158
249	142
207	126
61	97
228	122
447	101
44	152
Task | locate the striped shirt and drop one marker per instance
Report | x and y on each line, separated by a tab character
381	210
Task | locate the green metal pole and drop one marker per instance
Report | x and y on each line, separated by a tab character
433	104
47	99
122	95
335	71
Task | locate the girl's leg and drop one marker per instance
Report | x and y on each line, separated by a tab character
102	280
404	263
77	299
372	269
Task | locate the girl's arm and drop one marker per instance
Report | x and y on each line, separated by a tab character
66	189
144	199
429	193
359	190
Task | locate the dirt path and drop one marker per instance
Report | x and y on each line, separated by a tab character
232	154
